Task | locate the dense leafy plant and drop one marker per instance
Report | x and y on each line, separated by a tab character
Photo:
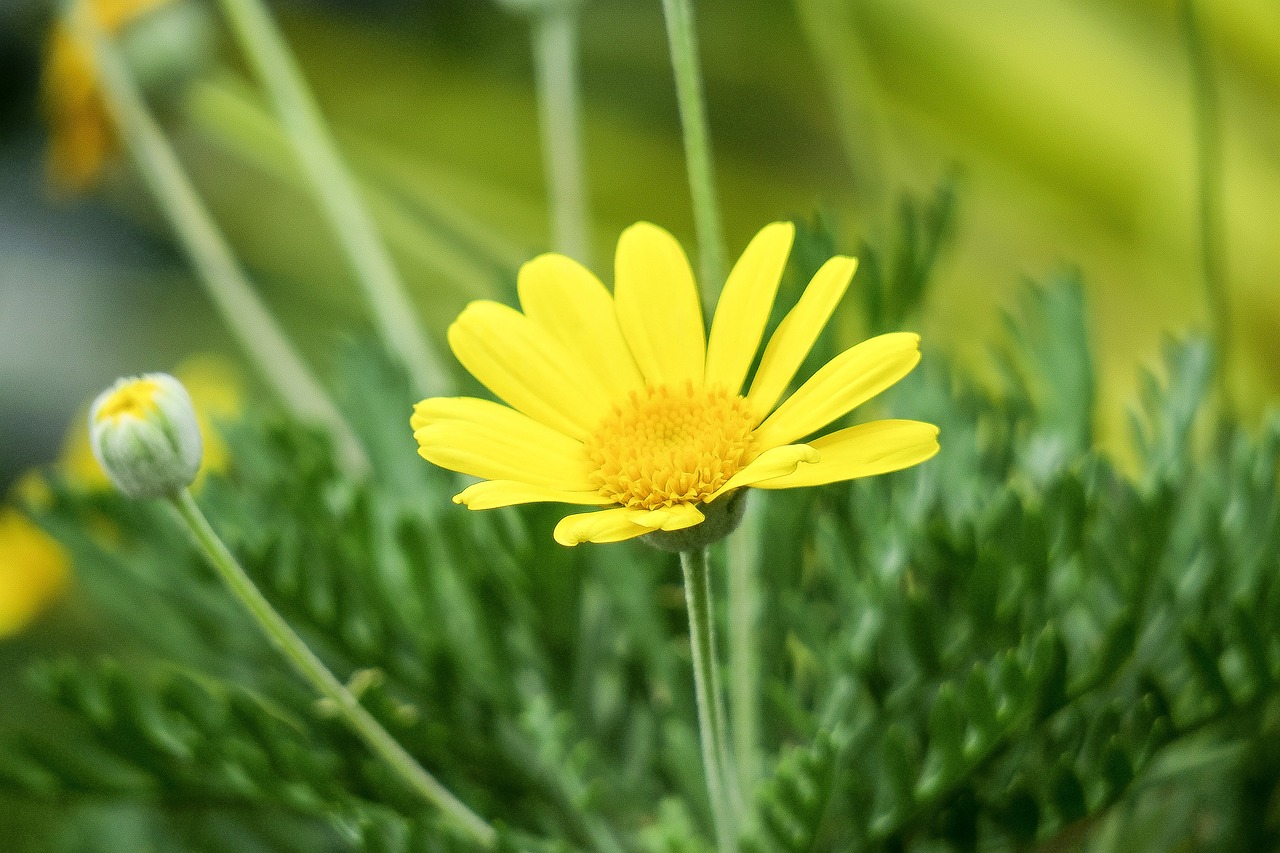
1020	643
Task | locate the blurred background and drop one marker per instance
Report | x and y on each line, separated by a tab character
1067	125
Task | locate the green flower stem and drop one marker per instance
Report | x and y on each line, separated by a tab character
336	192
1208	133
744	611
697	147
315	672
555	59
706	682
226	284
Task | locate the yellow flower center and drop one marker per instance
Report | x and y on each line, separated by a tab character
133	400
665	446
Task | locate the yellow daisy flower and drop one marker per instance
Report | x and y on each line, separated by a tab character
623	401
80	135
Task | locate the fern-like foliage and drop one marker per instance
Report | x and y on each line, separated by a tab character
1020	643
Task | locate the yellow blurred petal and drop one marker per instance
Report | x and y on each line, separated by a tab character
218	395
744	306
775	462
521	363
77	462
658	308
842	384
492	494
112	14
865	450
489	440
214	384
609	525
567	300
797	333
34	570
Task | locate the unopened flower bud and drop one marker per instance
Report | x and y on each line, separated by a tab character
144	434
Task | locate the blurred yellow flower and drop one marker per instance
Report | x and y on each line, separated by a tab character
80	135
622	401
34	570
215	390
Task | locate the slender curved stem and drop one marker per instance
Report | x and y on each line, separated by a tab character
336	192
1208	146
706	682
697	146
555	61
248	319
326	684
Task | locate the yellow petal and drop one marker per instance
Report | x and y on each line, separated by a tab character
489	440
658	308
872	448
491	494
495	418
521	363
744	306
797	332
567	300
847	381
676	517
609	525
775	462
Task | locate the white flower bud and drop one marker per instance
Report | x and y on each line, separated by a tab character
144	434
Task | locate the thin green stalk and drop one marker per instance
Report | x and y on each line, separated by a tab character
228	288
744	667
1208	140
555	62
706	681
336	193
326	684
697	146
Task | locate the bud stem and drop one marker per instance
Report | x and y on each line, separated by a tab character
555	57
326	684
335	191
716	763
697	147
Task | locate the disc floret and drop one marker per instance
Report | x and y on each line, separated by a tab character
667	445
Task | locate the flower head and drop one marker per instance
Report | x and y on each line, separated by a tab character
163	40
217	393
145	435
623	401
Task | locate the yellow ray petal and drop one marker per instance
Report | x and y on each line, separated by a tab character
495	417
567	300
744	306
872	448
493	452
657	306
775	462
521	363
676	517
492	494
609	525
848	380
797	332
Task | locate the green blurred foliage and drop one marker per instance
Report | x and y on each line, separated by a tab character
1014	646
